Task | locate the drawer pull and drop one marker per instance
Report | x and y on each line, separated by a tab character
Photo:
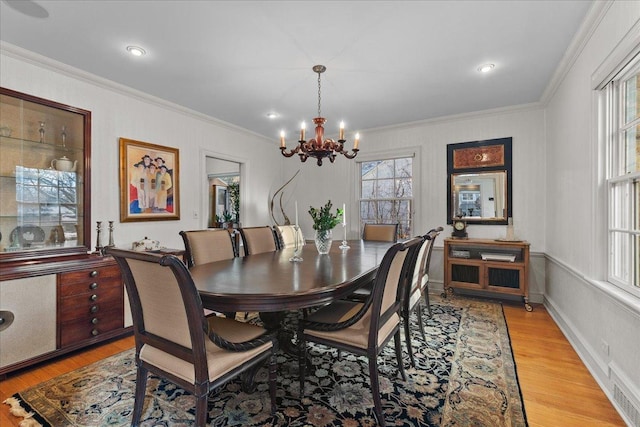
94	285
94	309
94	273
94	332
93	297
94	320
6	319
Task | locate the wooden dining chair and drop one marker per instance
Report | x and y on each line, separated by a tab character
363	328
412	293
257	240
286	236
174	339
375	233
202	246
424	281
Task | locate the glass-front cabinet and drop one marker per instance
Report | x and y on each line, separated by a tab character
44	177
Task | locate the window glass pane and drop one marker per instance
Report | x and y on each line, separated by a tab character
67	179
368	189
618	205
403	168
403	188
632	149
369	170
619	256
48	195
26	176
69	213
386	169
385	213
631	101
385	189
635	209
67	195
28	212
48	177
367	211
636	255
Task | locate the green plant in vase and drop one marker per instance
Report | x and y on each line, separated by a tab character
323	222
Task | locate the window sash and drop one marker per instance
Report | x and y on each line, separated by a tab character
623	180
372	205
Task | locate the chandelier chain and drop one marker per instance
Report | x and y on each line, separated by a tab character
319	96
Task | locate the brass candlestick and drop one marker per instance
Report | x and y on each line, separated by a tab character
111	244
98	229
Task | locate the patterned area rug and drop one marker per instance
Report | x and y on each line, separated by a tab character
465	376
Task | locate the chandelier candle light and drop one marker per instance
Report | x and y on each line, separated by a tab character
319	147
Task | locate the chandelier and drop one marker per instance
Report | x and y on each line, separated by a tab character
319	147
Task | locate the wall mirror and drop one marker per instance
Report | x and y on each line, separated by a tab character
479	181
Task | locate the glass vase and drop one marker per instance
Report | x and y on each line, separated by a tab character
323	239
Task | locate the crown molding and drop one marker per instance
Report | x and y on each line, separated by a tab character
589	25
512	109
36	59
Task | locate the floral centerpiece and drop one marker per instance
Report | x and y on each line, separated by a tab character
323	222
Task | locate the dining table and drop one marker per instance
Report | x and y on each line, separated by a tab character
270	283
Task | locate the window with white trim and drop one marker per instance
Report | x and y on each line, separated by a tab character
622	117
386	193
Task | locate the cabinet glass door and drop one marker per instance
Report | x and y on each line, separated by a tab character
44	170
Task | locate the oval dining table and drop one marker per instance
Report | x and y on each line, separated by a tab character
269	282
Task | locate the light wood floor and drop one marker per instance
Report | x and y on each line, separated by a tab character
557	388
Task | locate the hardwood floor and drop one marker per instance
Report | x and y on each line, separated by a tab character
556	386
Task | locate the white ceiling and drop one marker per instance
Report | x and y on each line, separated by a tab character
388	62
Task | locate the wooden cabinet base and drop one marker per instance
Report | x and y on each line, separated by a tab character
496	266
86	306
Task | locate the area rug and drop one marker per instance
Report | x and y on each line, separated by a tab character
465	376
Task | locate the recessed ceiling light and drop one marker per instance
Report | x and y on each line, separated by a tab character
485	68
136	50
272	115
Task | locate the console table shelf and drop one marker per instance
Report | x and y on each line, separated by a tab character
496	266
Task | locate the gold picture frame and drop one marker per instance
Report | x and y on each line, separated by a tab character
149	182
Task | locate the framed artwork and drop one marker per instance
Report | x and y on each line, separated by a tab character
149	182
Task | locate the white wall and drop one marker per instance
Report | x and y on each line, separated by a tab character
601	321
119	112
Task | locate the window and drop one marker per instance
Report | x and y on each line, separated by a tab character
386	193
623	176
48	198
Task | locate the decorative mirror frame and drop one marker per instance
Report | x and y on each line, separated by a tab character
478	157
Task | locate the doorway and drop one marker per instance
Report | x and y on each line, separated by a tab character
223	192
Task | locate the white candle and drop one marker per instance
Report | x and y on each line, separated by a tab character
296	213
344	214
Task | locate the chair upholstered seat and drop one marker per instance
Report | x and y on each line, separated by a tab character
219	360
357	334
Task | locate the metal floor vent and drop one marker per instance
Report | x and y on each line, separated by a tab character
631	413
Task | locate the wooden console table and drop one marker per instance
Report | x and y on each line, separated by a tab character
497	266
